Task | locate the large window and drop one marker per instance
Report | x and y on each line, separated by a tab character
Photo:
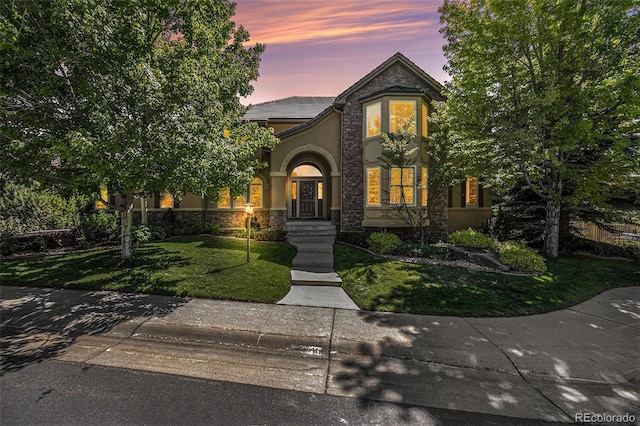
401	115
254	195
471	198
373	187
423	121
402	186
374	113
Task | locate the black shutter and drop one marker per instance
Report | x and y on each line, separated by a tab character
480	196
156	200
463	194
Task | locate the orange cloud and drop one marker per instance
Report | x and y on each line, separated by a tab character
286	21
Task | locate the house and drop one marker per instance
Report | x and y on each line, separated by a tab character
328	164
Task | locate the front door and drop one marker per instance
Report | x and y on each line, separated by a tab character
307	197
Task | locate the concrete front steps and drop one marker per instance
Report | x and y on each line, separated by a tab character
313	280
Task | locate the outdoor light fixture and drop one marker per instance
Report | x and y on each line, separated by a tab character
248	208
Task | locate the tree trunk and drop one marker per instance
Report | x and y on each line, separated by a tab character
552	228
126	222
143	210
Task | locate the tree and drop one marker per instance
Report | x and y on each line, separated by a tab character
142	97
400	151
548	92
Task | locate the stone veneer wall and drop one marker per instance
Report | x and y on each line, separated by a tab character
352	146
226	219
278	219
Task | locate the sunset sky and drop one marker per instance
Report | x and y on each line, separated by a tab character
320	48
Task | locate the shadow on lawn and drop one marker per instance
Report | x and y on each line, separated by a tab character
99	271
37	324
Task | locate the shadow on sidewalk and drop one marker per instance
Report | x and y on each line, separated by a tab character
37	324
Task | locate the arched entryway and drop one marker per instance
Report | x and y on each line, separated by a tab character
307	192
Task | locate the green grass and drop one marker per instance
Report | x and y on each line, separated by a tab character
384	285
191	266
216	268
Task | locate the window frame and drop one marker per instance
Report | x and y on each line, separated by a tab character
402	185
379	169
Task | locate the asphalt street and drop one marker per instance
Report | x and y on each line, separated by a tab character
63	393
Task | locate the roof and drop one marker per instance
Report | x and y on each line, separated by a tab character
295	107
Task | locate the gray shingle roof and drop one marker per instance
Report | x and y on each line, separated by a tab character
295	107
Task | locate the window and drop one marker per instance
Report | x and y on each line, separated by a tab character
402	186
373	114
306	170
104	195
423	186
224	199
255	192
320	196
471	199
240	201
166	202
401	114
423	121
373	187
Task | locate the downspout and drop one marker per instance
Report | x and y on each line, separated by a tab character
341	163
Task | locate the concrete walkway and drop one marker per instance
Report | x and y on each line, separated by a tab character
549	367
313	279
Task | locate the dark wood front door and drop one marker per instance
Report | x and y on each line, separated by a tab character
307	198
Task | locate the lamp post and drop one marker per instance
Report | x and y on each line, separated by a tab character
249	209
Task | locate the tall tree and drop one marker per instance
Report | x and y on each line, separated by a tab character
548	91
140	96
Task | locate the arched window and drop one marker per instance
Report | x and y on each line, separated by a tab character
306	170
256	192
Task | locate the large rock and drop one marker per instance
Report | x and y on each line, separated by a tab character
482	257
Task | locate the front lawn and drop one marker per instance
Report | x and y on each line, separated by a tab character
191	266
383	285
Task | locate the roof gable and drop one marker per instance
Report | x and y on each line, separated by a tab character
434	90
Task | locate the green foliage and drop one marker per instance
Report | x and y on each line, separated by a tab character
522	258
355	238
383	242
626	249
31	208
539	91
193	227
141	234
268	235
157	232
143	97
418	249
213	228
239	233
101	227
472	238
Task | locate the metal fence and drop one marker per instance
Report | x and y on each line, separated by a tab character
622	232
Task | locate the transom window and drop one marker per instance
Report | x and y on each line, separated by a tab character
306	170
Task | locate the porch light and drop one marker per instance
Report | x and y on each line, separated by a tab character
248	208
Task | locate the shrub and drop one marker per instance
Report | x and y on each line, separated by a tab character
268	235
192	227
239	233
141	234
417	249
157	232
472	238
101	227
212	228
356	238
521	257
383	242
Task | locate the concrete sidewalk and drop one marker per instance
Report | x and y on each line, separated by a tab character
549	366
